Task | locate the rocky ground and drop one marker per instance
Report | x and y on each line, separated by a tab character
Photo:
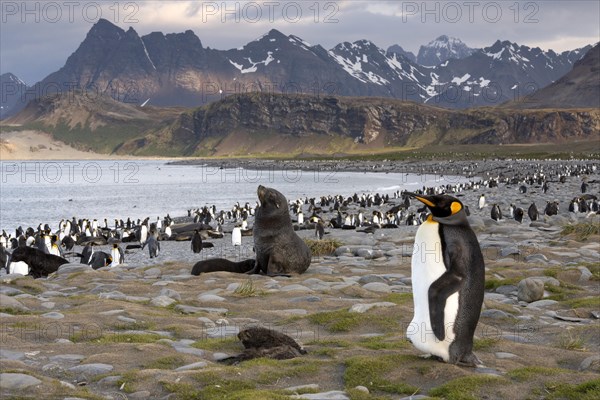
150	330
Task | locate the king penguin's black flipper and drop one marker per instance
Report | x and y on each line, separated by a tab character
439	291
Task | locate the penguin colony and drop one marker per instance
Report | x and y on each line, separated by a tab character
442	326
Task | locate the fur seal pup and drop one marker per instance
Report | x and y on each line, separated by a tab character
40	264
279	250
263	342
221	264
448	275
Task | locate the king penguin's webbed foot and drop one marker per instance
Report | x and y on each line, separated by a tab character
471	361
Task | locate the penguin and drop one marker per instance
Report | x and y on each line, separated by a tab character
300	218
448	275
55	246
319	230
519	214
196	242
153	246
118	257
551	208
143	234
236	236
4	256
532	212
67	242
481	201
87	253
496	213
100	259
574	205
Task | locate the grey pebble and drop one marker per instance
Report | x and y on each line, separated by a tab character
592	362
503	355
196	365
15	381
53	315
331	395
11	355
495	314
10	302
542	303
210	298
10	291
162	301
377	287
530	290
170	293
67	358
92	369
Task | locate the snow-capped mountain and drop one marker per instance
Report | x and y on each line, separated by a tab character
396	48
13	91
177	70
502	72
441	49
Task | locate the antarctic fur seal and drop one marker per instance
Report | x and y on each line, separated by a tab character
40	264
263	342
279	250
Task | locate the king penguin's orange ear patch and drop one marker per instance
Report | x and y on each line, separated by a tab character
455	207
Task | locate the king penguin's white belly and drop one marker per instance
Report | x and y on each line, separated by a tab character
427	266
116	257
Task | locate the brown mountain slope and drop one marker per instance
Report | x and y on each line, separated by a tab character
89	121
263	124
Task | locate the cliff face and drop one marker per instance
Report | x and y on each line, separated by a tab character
256	120
293	124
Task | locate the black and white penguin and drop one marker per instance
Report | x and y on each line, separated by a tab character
153	246
496	213
86	254
532	212
236	236
584	187
448	275
481	201
118	257
519	214
100	259
551	208
196	242
319	230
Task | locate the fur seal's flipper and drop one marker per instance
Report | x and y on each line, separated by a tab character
221	264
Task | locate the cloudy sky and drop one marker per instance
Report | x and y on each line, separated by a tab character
36	37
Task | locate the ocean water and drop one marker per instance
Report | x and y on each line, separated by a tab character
34	192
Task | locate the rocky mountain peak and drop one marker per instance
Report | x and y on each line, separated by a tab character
397	49
443	48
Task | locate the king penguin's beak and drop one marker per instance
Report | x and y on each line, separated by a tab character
423	199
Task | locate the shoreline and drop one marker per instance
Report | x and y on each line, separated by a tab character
466	168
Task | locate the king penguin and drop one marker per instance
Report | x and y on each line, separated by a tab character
196	242
448	275
118	257
236	236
